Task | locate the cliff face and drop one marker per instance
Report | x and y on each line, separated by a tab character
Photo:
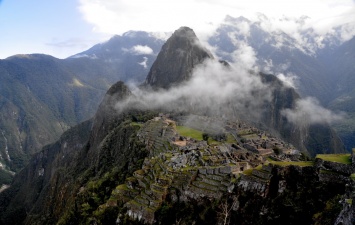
311	138
42	96
147	171
54	179
132	166
47	175
182	53
178	56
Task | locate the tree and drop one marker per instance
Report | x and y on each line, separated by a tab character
224	211
205	136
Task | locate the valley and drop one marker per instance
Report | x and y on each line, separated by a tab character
42	96
200	141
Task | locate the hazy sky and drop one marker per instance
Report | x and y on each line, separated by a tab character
65	27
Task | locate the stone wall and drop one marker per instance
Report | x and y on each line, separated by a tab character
335	166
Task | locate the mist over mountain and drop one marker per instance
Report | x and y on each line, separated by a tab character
43	96
311	63
195	82
318	66
276	52
179	55
132	163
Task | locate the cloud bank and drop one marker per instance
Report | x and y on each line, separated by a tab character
289	79
292	17
309	111
226	92
214	89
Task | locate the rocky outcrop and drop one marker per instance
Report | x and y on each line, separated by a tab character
336	167
311	138
57	177
129	165
347	214
176	60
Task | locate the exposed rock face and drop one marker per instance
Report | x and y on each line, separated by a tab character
129	166
311	138
347	214
107	114
176	60
45	184
42	96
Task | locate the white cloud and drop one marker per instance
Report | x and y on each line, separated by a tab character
213	89
139	50
144	62
289	80
142	50
116	17
244	54
268	65
309	111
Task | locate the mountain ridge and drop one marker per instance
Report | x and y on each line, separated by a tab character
323	73
178	55
82	71
128	164
43	96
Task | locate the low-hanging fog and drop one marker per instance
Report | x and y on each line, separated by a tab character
234	91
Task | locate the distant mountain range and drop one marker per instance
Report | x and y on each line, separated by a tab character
319	66
182	144
42	96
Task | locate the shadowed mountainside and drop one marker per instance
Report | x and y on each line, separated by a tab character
42	96
132	165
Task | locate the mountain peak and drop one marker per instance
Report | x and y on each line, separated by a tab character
177	58
185	32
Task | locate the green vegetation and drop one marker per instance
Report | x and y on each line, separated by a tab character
211	141
340	158
122	187
277	150
216	139
259	167
5	177
250	136
352	176
230	139
189	132
292	163
139	117
349	201
248	172
136	124
302	163
330	211
244	132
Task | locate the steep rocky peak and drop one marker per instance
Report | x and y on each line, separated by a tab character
117	92
176	60
119	89
107	113
185	33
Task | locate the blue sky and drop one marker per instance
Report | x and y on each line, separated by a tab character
44	26
66	27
